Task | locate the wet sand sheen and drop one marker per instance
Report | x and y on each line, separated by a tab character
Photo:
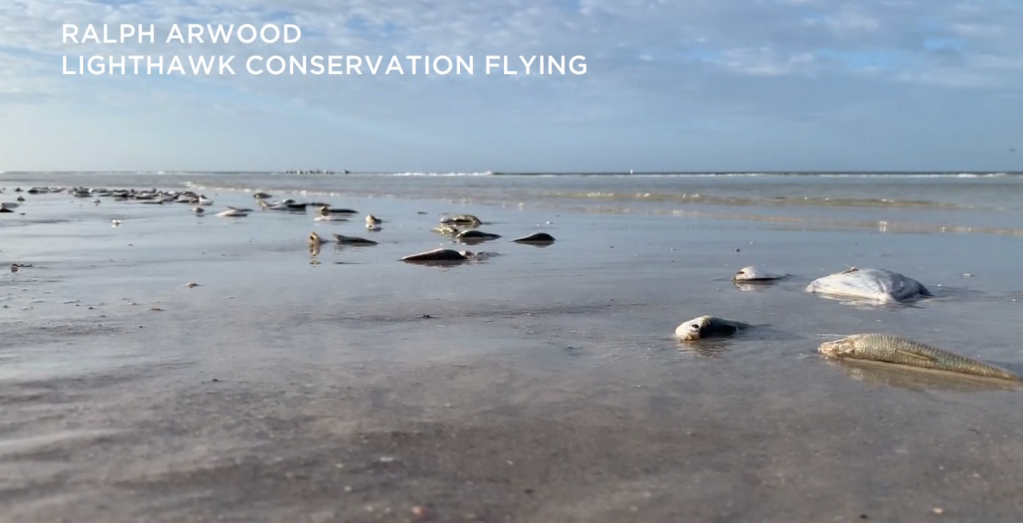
544	386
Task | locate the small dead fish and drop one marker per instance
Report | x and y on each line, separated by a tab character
893	349
475	235
541	238
757	273
708	327
440	255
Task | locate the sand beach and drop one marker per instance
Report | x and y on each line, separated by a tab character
540	384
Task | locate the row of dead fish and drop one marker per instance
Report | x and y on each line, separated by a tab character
878	285
148	196
460	227
39	190
448	225
263	200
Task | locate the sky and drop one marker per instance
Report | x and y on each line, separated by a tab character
684	85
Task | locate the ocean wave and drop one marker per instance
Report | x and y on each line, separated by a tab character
482	173
756	201
769	174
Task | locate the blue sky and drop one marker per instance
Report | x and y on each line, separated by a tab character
670	85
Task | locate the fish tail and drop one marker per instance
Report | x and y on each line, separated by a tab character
997	372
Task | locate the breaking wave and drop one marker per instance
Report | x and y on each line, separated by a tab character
756	201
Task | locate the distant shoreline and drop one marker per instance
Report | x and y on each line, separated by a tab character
552	173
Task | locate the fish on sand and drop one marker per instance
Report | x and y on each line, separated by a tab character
756	273
879	285
352	240
537	238
887	348
708	327
440	255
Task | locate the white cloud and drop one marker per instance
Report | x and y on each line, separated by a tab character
974	30
848	20
947	78
762	62
635	48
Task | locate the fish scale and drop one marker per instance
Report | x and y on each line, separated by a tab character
893	349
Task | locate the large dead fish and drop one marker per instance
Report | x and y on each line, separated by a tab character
900	351
870	284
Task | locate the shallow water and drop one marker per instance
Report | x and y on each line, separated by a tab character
543	386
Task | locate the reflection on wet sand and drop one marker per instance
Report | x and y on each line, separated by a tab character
708	348
866	304
917	379
438	263
814	223
753	286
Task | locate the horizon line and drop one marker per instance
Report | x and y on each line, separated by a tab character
343	172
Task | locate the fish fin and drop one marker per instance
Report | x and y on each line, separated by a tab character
918	356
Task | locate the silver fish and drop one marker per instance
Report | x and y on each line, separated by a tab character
871	284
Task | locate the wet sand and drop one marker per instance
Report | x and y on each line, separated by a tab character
544	386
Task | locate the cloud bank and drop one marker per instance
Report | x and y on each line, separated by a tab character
688	85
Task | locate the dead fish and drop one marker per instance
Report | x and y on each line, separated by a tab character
327	211
871	284
440	255
901	351
757	273
541	238
462	219
708	327
232	213
475	235
352	240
